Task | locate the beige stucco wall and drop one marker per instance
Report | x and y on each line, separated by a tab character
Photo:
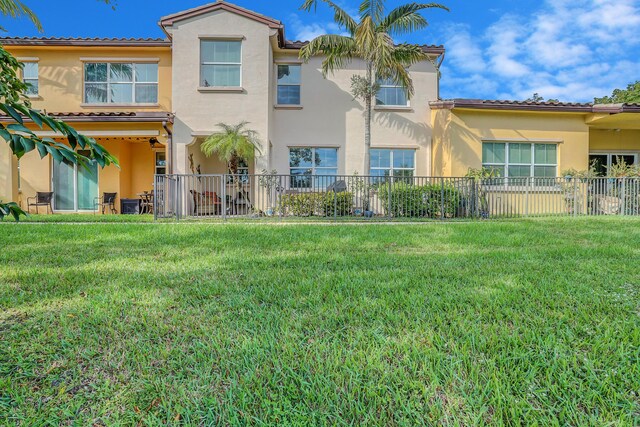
458	137
199	111
61	75
330	117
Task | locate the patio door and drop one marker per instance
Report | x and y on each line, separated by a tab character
75	188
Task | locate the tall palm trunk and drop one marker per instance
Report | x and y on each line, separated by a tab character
367	121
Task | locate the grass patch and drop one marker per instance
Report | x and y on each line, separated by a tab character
532	322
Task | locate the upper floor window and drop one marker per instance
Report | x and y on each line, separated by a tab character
289	83
386	162
30	77
518	160
306	163
120	83
220	63
391	94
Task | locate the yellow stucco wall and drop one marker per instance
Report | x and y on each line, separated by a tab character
458	137
8	174
61	75
614	140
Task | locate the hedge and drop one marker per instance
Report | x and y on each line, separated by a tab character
321	204
411	201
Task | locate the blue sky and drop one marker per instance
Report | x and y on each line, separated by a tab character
507	49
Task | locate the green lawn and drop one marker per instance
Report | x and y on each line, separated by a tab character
505	323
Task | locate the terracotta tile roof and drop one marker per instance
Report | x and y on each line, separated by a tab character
298	44
577	107
112	116
73	41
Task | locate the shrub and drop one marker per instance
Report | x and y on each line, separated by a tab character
340	204
410	201
323	204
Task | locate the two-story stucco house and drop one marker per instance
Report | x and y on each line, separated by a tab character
152	102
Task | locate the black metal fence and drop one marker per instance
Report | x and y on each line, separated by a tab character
388	198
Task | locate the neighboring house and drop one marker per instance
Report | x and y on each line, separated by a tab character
223	63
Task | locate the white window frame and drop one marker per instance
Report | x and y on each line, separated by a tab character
313	166
157	167
31	79
134	83
202	62
392	86
611	154
392	169
278	84
532	165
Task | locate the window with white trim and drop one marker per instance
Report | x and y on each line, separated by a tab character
289	84
220	63
120	83
30	77
521	160
396	163
308	162
391	94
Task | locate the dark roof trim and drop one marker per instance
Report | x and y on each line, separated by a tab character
429	49
89	42
511	105
122	117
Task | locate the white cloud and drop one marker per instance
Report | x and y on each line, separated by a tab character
568	49
306	32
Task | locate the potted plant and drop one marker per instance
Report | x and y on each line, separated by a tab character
270	181
362	190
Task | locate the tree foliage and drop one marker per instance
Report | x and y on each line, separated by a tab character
232	144
629	95
15	106
537	98
370	38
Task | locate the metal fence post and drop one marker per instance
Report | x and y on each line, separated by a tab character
224	197
526	196
575	197
389	198
441	198
335	205
623	204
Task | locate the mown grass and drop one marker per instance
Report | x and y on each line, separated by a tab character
509	323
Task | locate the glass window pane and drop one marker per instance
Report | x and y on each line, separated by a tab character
544	171
493	152
63	186
147	93
403	173
519	171
147	73
221	75
30	70
95	93
380	158
301	178
289	95
599	162
121	73
326	157
87	186
95	72
300	157
217	51
121	93
403	159
617	159
289	74
32	88
520	153
498	170
545	154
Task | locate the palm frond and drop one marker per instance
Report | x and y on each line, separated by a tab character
406	18
339	50
232	142
409	54
17	9
340	16
373	9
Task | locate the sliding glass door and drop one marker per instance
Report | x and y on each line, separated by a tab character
74	187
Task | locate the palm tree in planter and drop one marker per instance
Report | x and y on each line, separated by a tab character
233	144
370	38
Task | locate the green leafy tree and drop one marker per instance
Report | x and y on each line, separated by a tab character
233	144
370	38
629	95
16	106
537	98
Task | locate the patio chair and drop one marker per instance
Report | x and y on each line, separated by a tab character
206	203
41	199
107	201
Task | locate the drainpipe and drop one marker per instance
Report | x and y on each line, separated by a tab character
165	126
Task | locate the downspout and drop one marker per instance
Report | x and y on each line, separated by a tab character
165	126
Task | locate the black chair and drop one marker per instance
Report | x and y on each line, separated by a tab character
108	200
41	199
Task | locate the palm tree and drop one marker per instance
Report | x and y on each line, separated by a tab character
17	9
233	144
371	39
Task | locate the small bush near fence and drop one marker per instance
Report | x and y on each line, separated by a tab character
320	204
410	201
